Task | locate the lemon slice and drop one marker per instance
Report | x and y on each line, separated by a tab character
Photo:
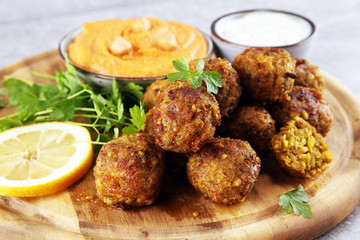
43	158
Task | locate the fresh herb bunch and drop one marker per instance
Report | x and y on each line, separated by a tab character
296	200
212	79
105	110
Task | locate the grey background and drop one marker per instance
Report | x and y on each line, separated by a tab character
29	27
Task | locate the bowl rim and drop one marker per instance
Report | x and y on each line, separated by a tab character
69	37
215	35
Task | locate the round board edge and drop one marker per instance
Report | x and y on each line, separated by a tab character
335	87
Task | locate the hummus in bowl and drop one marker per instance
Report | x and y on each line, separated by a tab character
139	50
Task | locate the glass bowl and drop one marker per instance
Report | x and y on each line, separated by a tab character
103	80
229	48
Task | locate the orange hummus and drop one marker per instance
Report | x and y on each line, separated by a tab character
138	47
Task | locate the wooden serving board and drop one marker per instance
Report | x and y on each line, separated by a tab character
334	194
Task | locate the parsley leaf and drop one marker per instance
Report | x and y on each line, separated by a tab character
63	111
200	65
8	122
174	76
212	79
296	200
182	65
16	89
196	82
137	118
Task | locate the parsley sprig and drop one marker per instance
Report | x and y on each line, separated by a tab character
212	79
137	118
296	200
104	111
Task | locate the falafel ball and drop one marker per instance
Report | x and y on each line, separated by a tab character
224	171
184	118
149	97
300	150
307	103
308	75
250	123
229	94
129	171
267	74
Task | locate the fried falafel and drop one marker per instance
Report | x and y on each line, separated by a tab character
267	74
308	75
307	103
300	150
129	171
224	170
250	123
184	118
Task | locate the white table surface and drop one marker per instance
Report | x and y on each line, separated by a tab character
30	27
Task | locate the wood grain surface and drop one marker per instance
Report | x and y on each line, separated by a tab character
334	194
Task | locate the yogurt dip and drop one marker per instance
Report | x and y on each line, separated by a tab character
264	29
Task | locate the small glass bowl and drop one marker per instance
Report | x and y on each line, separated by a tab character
104	80
229	50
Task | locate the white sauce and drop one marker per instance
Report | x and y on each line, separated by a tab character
264	29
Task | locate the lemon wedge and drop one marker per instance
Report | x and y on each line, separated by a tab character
43	158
